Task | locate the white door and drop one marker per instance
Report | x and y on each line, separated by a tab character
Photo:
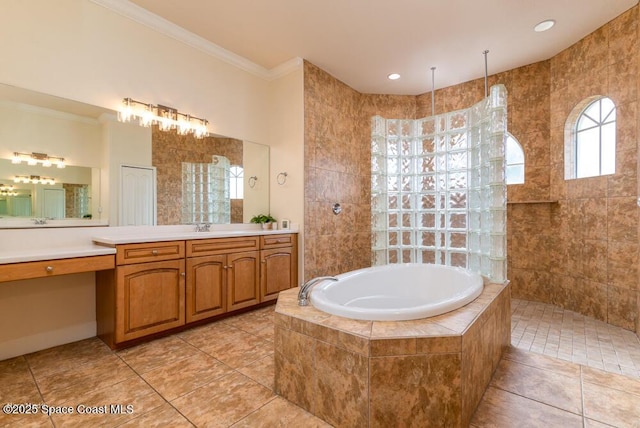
54	204
137	196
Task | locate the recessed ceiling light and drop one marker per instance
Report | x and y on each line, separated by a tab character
393	76
544	25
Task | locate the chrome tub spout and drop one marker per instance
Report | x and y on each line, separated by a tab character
305	289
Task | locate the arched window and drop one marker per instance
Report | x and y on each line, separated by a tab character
590	139
515	161
236	179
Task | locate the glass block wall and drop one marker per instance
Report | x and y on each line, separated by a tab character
438	192
205	192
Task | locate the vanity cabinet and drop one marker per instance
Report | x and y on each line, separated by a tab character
206	293
223	275
144	294
158	286
279	265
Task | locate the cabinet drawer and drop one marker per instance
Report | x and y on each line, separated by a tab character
149	252
209	247
41	269
277	241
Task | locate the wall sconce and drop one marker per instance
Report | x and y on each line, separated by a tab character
35	179
7	190
167	118
36	158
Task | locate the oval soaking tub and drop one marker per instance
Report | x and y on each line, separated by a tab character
397	292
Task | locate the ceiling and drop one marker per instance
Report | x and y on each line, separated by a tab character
360	42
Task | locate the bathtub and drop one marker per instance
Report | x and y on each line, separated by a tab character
397	292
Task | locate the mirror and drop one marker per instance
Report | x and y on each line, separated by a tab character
36	126
186	167
32	122
46	192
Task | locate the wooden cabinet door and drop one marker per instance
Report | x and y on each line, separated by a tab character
243	280
149	298
206	287
278	272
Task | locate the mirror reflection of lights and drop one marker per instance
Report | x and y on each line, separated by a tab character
34	179
34	158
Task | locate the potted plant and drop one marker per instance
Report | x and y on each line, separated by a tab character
264	219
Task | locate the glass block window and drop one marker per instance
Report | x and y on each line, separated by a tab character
205	192
514	160
590	139
236	182
438	190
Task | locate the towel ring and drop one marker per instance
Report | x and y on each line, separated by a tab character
252	181
282	178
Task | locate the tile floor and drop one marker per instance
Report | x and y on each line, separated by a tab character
552	331
221	374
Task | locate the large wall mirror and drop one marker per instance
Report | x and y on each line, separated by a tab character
214	179
49	159
36	125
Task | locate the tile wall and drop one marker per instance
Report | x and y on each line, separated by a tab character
571	243
338	170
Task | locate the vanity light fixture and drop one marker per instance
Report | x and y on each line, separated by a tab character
7	190
167	118
34	179
37	158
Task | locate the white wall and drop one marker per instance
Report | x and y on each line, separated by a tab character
287	152
124	144
79	50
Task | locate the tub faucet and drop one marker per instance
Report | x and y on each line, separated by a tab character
305	289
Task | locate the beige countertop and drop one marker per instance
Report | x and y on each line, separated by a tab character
39	254
159	236
28	245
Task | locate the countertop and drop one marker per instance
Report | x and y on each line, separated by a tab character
28	245
159	236
39	254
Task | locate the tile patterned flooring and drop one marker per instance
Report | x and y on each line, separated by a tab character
562	370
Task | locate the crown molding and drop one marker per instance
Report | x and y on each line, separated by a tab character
142	16
285	68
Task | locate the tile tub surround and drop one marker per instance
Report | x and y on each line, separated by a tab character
380	373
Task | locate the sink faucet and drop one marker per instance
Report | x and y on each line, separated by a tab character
202	227
305	289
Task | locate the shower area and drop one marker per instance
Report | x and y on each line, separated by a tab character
438	191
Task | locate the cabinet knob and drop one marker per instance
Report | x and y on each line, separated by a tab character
49	268
183	274
154	252
264	261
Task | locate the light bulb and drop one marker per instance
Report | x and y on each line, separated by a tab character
126	111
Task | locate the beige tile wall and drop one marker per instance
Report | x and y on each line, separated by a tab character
579	252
